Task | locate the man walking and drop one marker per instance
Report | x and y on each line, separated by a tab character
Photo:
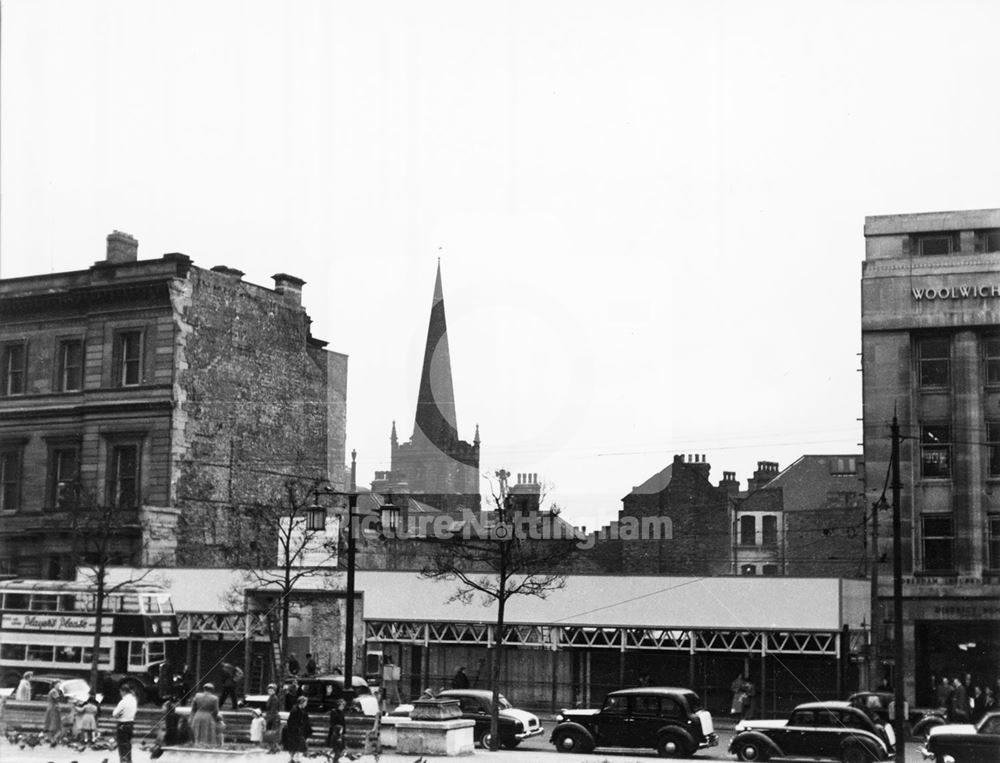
124	714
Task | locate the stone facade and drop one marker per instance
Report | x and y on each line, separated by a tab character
930	314
172	392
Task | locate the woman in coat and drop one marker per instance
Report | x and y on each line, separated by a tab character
298	730
205	717
52	723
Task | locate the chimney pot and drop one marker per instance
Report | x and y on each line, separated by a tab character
289	287
122	248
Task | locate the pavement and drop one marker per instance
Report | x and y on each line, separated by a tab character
10	753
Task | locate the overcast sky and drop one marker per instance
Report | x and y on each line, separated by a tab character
649	214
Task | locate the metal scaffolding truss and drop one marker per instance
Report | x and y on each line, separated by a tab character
226	624
692	641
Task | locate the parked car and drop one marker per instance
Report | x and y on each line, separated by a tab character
965	742
833	730
671	720
513	725
74	689
877	703
323	692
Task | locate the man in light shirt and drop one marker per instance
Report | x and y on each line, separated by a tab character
124	713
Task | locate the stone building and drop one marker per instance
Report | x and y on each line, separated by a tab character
808	520
930	331
170	393
434	466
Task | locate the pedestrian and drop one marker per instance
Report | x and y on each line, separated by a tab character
959	711
52	722
943	693
311	666
298	729
293	665
337	726
749	699
228	685
291	692
23	691
272	718
171	723
460	680
88	719
976	703
257	727
736	706
205	717
124	714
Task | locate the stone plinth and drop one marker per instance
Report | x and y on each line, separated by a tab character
434	709
449	738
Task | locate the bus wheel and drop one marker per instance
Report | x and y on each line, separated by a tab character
137	689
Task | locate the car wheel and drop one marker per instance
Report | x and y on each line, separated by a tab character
855	753
484	740
672	746
750	750
571	741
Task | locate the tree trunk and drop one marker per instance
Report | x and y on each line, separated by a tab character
95	657
498	654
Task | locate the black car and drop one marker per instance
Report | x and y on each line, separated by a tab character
877	703
669	719
965	743
322	693
834	730
513	725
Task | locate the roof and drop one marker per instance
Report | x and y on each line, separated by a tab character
652	690
641	601
835	704
655	484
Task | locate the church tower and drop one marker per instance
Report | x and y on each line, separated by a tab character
435	467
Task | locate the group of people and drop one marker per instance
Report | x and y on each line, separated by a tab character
312	668
79	726
744	694
964	699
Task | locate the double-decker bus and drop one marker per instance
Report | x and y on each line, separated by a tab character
48	626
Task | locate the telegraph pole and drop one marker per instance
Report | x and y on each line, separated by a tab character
897	600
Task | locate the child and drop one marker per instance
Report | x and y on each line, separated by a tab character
88	719
257	728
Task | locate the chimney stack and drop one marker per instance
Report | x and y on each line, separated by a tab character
122	248
766	471
729	484
289	287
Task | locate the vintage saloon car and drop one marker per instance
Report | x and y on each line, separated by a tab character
965	742
513	725
670	720
834	730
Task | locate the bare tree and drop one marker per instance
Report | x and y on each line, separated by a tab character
276	548
518	554
103	535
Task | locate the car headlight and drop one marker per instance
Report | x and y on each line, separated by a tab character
560	717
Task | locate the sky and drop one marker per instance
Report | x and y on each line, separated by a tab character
649	215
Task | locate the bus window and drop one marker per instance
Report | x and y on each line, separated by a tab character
67	603
128	603
40	652
104	656
15	601
166	605
157	651
44	602
68	654
136	654
13	652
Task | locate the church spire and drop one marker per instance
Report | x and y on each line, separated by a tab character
435	417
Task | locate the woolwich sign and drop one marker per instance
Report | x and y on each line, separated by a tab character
981	291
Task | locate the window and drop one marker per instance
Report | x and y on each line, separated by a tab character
748	531
930	244
994	542
769	530
939	543
993	448
123	476
63	472
748	569
10	479
935	451
991	349
988	240
128	358
843	465
770	570
12	373
70	367
934	356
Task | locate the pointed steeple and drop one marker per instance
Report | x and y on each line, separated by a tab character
435	417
